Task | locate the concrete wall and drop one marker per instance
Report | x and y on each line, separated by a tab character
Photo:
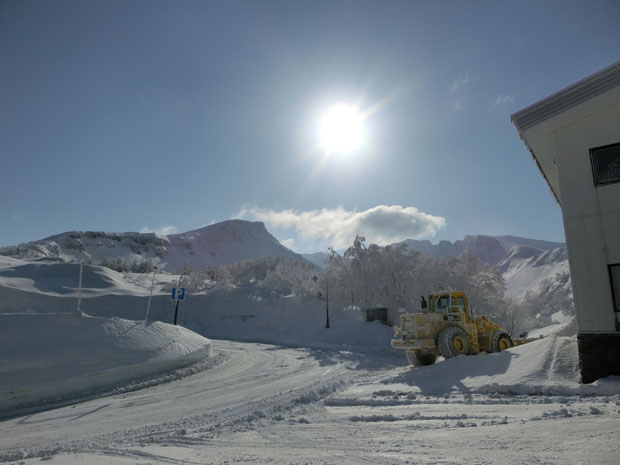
591	215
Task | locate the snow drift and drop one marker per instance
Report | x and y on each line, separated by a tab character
50	356
548	366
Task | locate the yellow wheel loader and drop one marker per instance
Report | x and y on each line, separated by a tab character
448	327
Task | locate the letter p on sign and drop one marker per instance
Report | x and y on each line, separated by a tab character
178	293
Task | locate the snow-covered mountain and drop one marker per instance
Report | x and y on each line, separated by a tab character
97	246
226	242
492	250
526	264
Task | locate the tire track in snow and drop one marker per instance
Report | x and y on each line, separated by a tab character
257	383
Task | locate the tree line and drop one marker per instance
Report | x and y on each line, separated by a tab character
393	276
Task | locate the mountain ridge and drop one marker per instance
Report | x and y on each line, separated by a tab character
527	265
221	243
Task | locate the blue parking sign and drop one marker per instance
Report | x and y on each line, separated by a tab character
178	293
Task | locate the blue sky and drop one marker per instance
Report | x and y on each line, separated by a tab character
171	115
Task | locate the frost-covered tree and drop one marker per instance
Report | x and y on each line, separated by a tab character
395	277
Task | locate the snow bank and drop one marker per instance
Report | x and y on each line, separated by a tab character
47	356
251	313
244	313
61	279
566	327
549	366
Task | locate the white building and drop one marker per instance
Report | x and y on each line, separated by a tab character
574	137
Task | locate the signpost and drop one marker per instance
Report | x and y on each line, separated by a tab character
178	294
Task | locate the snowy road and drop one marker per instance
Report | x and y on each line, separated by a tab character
255	382
268	404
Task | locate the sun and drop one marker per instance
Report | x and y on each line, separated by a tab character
342	129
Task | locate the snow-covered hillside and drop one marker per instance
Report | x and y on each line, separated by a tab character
244	312
492	250
221	243
527	265
96	247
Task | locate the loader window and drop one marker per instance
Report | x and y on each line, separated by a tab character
443	302
461	303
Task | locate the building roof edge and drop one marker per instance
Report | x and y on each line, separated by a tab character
567	98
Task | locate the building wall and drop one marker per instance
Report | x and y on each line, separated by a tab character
591	215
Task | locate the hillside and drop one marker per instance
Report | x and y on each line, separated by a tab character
526	264
492	250
221	243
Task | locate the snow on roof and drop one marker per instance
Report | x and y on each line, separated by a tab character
567	98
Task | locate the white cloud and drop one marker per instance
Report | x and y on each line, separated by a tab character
502	99
288	243
458	105
383	224
459	82
163	231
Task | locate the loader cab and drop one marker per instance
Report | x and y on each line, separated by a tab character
449	302
438	302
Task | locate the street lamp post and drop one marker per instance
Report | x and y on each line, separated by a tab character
326	299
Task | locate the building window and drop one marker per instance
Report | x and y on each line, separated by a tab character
614	276
606	164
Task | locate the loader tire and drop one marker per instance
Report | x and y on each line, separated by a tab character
500	341
453	341
419	357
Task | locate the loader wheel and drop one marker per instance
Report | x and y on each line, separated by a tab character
453	341
419	357
500	341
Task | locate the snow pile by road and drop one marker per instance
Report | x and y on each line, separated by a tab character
548	366
50	356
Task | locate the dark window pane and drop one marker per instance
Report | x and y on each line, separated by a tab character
606	164
614	274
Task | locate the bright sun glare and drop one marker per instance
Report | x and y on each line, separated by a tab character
342	129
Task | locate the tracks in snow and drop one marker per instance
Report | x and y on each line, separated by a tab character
258	383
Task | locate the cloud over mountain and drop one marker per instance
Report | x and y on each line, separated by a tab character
337	227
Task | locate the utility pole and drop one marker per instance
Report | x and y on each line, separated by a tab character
79	311
148	305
